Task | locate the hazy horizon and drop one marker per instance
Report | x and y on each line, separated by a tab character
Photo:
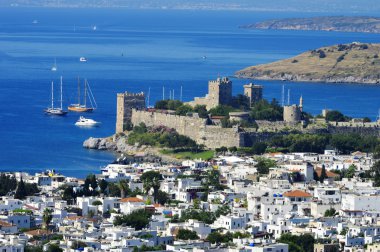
351	6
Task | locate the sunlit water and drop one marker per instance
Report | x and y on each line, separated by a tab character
135	51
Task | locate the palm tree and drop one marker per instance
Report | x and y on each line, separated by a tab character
47	217
151	179
123	187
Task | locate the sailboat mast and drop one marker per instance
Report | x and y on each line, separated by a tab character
85	92
61	93
78	92
52	94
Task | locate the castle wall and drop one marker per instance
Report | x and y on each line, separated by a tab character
125	103
195	128
215	137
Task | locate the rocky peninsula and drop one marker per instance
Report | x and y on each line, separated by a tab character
344	63
118	143
328	23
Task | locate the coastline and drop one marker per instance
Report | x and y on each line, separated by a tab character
294	78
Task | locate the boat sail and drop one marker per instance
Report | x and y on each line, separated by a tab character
87	94
54	67
55	111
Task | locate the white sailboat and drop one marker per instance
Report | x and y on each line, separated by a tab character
52	110
54	67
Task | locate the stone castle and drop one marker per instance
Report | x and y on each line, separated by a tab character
131	110
220	93
125	103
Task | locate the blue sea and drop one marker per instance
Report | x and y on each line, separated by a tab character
138	50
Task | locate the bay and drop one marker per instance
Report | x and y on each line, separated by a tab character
134	50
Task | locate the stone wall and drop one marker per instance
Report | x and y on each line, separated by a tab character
210	135
215	137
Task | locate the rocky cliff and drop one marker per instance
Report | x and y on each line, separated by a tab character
345	63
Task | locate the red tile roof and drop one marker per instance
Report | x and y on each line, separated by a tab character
297	193
328	173
131	199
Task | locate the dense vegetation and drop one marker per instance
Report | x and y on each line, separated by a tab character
345	143
298	243
159	136
9	184
138	219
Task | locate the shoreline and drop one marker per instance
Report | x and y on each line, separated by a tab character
319	81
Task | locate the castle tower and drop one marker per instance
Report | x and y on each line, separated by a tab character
219	92
125	103
301	104
292	114
253	92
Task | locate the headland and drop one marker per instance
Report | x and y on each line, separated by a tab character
344	63
326	23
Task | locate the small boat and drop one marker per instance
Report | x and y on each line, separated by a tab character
94	28
35	21
78	107
82	59
86	122
52	110
54	67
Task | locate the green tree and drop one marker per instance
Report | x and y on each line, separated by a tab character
97	203
123	187
263	110
69	194
29	248
263	165
201	110
47	217
54	248
103	184
259	148
185	234
183	110
330	212
162	197
301	243
375	171
217	237
162	104
78	244
138	219
151	179
350	173
221	110
336	116
21	192
323	174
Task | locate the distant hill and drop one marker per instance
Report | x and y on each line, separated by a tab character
333	23
353	63
357	6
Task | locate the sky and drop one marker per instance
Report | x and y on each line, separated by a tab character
352	6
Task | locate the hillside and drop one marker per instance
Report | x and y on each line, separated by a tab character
332	23
353	63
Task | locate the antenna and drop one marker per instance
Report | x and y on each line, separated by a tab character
61	92
52	94
283	96
288	96
148	97
181	94
163	92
